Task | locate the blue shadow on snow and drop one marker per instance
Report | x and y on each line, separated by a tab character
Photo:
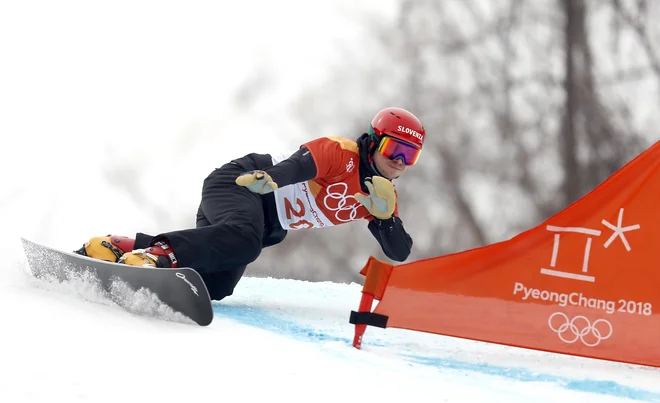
264	319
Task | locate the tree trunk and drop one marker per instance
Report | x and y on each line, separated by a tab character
568	140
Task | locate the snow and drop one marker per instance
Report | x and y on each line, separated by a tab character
273	339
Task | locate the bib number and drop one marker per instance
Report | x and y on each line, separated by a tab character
291	212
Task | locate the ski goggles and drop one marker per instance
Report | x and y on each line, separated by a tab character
392	148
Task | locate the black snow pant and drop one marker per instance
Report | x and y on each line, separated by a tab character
233	226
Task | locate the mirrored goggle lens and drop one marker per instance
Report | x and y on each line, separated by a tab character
392	148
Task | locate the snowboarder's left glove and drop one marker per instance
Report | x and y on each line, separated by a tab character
109	248
382	198
257	181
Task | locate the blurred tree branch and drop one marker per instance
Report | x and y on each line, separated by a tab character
637	21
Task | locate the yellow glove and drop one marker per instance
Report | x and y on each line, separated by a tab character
382	198
257	181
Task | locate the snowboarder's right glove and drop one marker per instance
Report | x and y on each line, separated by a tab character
382	198
257	181
109	248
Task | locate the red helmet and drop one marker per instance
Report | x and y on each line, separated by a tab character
399	124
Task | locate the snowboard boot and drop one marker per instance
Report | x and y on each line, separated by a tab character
160	254
109	248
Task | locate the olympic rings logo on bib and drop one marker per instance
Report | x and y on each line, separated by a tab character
344	212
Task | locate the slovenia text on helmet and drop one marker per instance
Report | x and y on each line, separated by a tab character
398	124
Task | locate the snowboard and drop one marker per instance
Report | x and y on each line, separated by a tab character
182	289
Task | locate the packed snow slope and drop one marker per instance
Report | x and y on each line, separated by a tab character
274	338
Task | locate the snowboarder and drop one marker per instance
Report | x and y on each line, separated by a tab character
252	202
